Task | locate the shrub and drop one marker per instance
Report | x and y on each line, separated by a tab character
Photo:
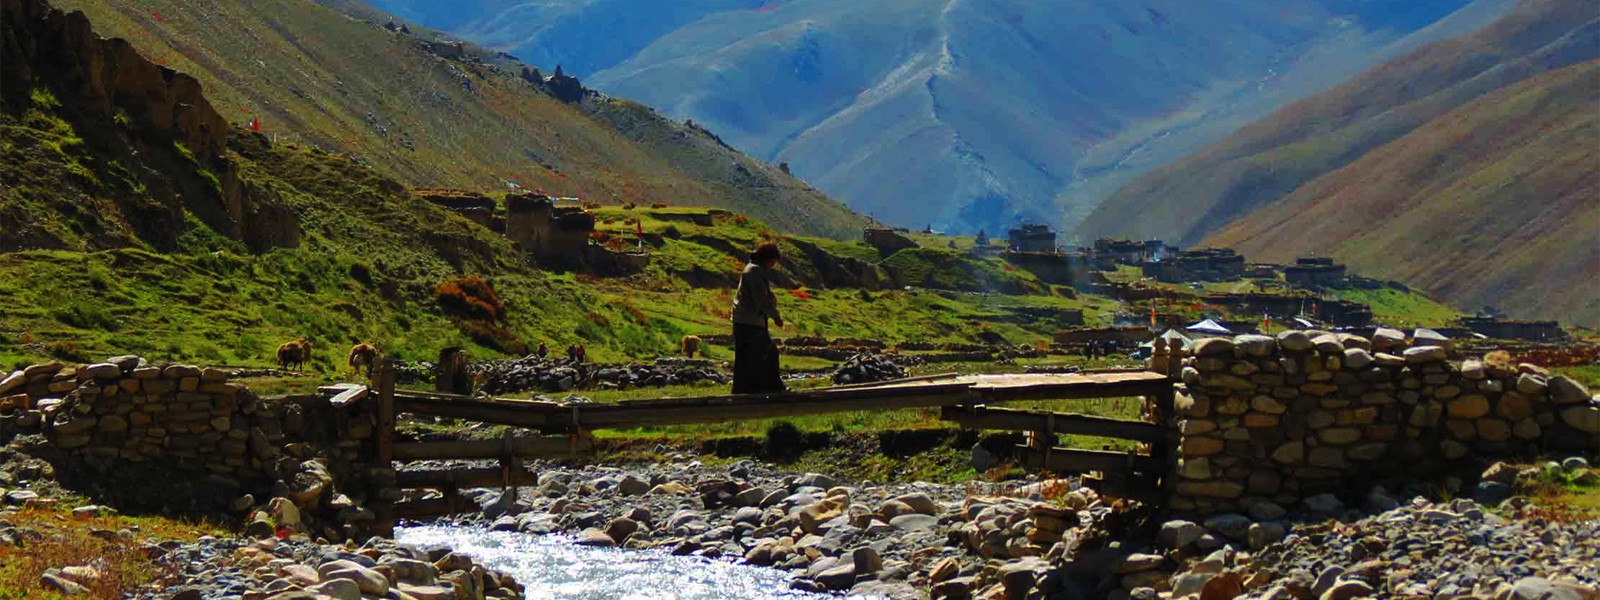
783	442
471	298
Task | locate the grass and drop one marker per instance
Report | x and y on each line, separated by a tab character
66	541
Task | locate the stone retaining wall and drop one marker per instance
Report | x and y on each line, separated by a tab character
119	424
1305	413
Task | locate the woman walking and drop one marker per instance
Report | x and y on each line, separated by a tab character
755	357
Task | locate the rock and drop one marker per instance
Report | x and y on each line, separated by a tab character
260	529
840	577
1429	337
1357	358
1347	589
1295	341
1256	345
427	592
91	511
1268	404
1328	343
1583	418
339	589
1384	338
53	581
919	503
1491	492
1264	510
817	480
595	537
670	488
1564	390
1018	579
1213	346
1530	384
367	580
914	522
982	459
867	560
1539	588
1138	562
1471	406
620	528
944	569
959	588
1232	525
1190	584
1324	504
101	371
308	483
1425	354
1265	534
1225	586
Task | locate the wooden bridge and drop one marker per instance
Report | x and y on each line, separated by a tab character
964	399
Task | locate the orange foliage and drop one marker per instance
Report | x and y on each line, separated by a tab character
471	297
801	294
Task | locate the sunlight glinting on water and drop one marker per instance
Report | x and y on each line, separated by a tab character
552	567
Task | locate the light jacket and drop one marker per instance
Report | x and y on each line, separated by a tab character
754	303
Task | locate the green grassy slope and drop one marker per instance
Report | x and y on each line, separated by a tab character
314	75
1493	204
1270	158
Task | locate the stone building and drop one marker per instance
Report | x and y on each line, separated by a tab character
558	235
1537	331
1210	264
1130	252
1032	238
1315	272
887	241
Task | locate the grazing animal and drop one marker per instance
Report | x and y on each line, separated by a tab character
294	354
363	355
691	345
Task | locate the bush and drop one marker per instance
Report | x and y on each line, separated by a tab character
783	442
472	298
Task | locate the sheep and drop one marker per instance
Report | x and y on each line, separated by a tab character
691	345
363	355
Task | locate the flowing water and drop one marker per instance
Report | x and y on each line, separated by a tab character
551	567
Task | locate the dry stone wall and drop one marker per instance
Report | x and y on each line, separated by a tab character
1305	413
214	445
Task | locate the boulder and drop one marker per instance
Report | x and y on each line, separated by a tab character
595	537
1425	354
1256	345
1564	390
632	486
1384	338
1261	535
1583	418
919	503
1232	525
1213	346
1295	341
1179	534
1429	337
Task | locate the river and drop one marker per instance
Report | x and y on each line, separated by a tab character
552	567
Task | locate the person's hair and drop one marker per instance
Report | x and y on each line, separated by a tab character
764	253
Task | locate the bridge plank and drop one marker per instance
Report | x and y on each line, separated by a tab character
1072	460
520	447
983	417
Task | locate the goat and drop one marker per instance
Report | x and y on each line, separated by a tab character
363	355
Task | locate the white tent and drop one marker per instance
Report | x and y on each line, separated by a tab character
1175	339
1209	326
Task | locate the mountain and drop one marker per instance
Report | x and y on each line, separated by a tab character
1491	204
440	115
963	114
1272	157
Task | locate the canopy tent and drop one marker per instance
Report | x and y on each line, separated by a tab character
1175	339
1208	326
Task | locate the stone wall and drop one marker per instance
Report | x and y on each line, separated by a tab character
1306	413
113	428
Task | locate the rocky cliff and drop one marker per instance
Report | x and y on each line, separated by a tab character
140	148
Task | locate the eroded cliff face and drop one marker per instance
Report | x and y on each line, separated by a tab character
143	148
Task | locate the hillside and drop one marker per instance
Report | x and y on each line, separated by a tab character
137	220
964	115
396	102
1270	158
1493	203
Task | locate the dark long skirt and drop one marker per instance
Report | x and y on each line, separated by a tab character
755	361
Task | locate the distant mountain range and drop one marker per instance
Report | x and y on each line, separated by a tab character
962	114
1466	167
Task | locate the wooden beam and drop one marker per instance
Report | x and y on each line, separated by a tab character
464	478
386	412
1142	488
982	417
450	504
349	397
1114	388
1072	460
555	446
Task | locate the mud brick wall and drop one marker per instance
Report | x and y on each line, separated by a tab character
1307	412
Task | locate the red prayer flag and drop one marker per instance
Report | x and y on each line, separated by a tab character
255	124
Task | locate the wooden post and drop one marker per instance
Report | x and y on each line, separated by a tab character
450	374
1166	451
384	437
